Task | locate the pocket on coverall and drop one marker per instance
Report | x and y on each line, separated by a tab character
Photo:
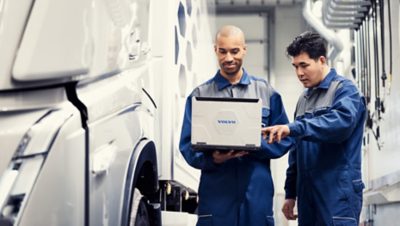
344	221
358	187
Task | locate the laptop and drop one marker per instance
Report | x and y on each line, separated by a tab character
226	124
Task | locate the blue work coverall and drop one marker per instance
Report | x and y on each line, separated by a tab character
325	167
239	191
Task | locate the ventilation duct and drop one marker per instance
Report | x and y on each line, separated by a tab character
323	30
344	14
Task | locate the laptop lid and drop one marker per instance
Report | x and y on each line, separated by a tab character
226	123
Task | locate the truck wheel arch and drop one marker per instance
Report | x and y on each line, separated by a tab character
142	174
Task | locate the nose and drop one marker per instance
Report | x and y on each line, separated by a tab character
228	57
299	72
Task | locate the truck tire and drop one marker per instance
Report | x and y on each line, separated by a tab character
139	215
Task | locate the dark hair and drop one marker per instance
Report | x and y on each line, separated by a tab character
308	42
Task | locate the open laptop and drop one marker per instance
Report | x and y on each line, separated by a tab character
226	124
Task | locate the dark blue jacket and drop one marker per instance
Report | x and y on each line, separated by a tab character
238	192
328	128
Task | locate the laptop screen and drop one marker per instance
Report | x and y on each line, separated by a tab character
226	123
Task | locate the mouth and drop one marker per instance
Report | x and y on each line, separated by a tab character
229	66
304	82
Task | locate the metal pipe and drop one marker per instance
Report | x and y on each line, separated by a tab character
327	33
350	12
352	2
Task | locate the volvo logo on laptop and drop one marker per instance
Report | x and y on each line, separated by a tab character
226	122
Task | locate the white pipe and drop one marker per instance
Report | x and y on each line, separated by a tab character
325	32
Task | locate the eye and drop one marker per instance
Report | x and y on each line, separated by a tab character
303	65
235	51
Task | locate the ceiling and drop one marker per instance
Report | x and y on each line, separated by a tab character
251	6
256	2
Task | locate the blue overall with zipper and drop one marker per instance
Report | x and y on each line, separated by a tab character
325	167
238	192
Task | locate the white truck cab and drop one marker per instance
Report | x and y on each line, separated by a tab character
92	96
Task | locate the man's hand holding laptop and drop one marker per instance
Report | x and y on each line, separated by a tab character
220	156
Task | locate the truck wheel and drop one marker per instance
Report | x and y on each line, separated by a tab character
139	215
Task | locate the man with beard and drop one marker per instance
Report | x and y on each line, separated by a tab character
236	187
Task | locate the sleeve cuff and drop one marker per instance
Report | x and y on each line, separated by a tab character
290	196
209	163
294	129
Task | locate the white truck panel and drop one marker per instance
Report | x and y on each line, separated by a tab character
116	133
55	42
13	127
32	99
184	65
117	92
27	175
59	189
13	16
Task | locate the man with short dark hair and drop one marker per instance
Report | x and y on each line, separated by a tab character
236	187
324	170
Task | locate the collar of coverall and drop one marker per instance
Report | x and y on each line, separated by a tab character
325	82
223	82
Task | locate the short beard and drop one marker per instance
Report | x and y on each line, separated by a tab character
231	73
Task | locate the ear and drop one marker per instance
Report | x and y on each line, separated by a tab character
245	49
215	48
322	59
